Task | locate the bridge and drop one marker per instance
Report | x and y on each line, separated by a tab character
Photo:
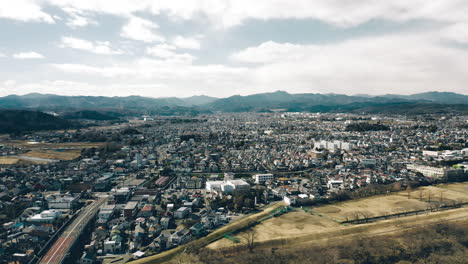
59	251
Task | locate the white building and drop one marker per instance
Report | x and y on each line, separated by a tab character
182	212
227	187
62	201
262	178
333	145
106	212
113	245
47	216
368	162
433	172
214	186
334	184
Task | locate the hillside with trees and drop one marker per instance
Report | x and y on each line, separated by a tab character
18	121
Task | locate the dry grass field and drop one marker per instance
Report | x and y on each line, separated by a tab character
291	224
374	206
50	146
56	155
342	233
461	187
321	222
42	153
8	160
419	199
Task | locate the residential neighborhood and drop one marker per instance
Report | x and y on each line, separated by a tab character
166	181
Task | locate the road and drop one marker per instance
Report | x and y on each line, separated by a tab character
59	250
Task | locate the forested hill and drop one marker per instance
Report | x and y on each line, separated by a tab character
17	121
79	107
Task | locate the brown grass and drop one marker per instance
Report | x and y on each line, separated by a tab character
291	224
298	227
397	202
342	233
56	155
8	160
51	146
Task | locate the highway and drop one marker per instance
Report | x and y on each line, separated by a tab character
62	246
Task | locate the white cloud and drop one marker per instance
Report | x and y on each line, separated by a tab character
115	7
344	13
187	42
269	51
100	47
78	18
24	10
61	87
227	13
457	32
65	87
161	50
167	52
2	55
142	30
179	77
368	65
28	55
9	83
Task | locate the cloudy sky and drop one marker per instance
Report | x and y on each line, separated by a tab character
220	48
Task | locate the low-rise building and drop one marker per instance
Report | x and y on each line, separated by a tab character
262	178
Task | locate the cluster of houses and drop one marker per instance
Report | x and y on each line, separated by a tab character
168	178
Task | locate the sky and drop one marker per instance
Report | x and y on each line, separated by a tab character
164	48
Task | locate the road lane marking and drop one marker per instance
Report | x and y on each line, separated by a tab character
93	206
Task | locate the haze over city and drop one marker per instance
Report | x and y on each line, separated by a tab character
221	48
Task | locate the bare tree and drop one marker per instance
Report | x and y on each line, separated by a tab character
349	216
408	191
356	215
250	237
366	215
185	258
396	187
441	196
420	194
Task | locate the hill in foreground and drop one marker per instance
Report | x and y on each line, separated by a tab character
18	121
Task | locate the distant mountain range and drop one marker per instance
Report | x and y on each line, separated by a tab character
280	100
51	101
